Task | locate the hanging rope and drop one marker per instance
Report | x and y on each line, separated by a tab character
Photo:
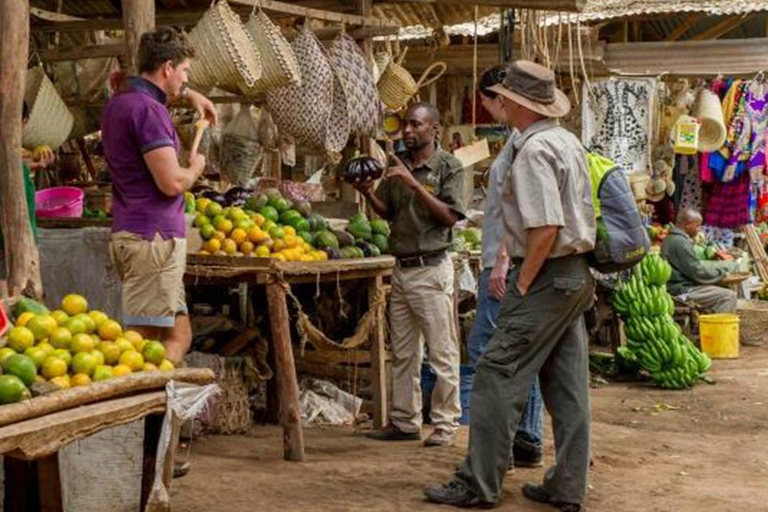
474	79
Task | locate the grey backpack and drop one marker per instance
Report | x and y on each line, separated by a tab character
622	240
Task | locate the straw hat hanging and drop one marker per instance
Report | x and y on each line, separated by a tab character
709	111
226	55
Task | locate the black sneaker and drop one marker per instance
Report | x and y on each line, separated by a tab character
456	494
526	455
392	433
538	494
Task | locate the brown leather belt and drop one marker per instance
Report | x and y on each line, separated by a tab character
431	259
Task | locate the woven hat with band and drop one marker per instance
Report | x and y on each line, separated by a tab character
533	86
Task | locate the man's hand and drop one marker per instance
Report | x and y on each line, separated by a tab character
401	172
497	285
204	106
197	164
365	186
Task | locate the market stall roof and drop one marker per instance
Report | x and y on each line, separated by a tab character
611	10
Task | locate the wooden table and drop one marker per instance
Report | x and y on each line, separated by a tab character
275	276
33	432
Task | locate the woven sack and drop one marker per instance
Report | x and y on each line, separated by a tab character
278	63
351	69
50	121
303	111
753	318
226	56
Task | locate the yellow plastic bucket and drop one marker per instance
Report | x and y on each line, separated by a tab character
719	335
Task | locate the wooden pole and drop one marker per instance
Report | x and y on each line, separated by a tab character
379	356
138	17
21	257
285	373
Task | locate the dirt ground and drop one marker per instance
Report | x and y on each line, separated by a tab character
654	451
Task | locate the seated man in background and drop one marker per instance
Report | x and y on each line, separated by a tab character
693	279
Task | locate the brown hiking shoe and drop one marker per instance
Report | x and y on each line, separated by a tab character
392	433
440	437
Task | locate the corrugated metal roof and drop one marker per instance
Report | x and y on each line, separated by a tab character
603	10
726	57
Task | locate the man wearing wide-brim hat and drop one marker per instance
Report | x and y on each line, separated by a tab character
549	224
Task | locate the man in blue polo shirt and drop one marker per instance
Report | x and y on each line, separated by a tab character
141	147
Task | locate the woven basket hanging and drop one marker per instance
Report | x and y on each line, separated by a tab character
397	86
278	63
50	121
303	111
337	134
226	56
350	66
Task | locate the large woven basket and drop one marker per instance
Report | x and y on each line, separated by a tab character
278	63
50	121
396	85
226	56
355	78
753	320
303	111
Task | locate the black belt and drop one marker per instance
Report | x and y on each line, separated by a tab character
431	259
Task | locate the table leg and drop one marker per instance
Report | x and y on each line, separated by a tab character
153	425
285	373
21	485
49	481
378	357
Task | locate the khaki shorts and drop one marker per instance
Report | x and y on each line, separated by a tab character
153	278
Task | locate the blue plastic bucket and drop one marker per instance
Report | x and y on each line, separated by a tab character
428	379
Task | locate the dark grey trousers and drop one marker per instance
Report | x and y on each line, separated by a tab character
540	334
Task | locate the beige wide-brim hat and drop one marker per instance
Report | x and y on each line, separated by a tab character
533	86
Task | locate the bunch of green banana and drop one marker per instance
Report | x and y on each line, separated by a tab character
654	270
635	298
655	342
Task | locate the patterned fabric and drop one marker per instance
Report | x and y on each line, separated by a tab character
691	186
723	237
364	105
617	120
303	111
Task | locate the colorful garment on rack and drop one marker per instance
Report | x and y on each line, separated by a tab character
728	205
737	144
757	100
617	121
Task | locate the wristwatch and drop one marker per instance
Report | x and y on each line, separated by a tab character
184	91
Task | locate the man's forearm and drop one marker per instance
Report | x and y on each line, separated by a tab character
539	243
436	207
377	205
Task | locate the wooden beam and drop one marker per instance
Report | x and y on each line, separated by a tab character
138	17
722	28
84	52
21	254
541	5
684	26
317	14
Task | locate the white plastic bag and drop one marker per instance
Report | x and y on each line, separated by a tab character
185	402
